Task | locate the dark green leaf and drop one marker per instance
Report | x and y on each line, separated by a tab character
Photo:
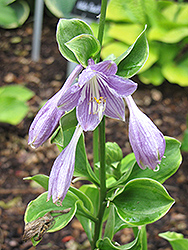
110	224
132	60
142	201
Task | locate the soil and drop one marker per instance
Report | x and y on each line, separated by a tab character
166	105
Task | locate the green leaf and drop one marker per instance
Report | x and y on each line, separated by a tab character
60	8
41	179
110	224
142	201
67	29
176	240
12	110
38	207
107	244
176	73
173	35
93	193
12	103
22	11
184	146
19	92
169	165
154	54
113	153
7	16
152	75
119	223
82	166
126	10
68	120
132	60
58	138
126	165
84	47
83	197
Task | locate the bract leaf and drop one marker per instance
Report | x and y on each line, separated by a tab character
68	29
142	201
132	60
84	47
110	224
169	165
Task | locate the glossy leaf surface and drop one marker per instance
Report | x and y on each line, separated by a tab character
142	201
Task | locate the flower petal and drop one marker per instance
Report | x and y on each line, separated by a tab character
85	115
122	86
44	123
70	98
147	141
63	169
49	115
106	67
115	106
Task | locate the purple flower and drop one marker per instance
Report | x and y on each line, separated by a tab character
49	115
63	169
147	141
98	92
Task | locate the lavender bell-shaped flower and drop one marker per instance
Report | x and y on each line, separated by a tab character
147	141
63	169
98	92
49	115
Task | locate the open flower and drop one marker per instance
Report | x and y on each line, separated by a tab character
98	92
63	169
49	115
147	141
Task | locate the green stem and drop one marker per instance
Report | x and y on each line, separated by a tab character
144	238
102	170
95	146
102	190
101	24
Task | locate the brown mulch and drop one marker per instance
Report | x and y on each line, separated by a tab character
166	105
